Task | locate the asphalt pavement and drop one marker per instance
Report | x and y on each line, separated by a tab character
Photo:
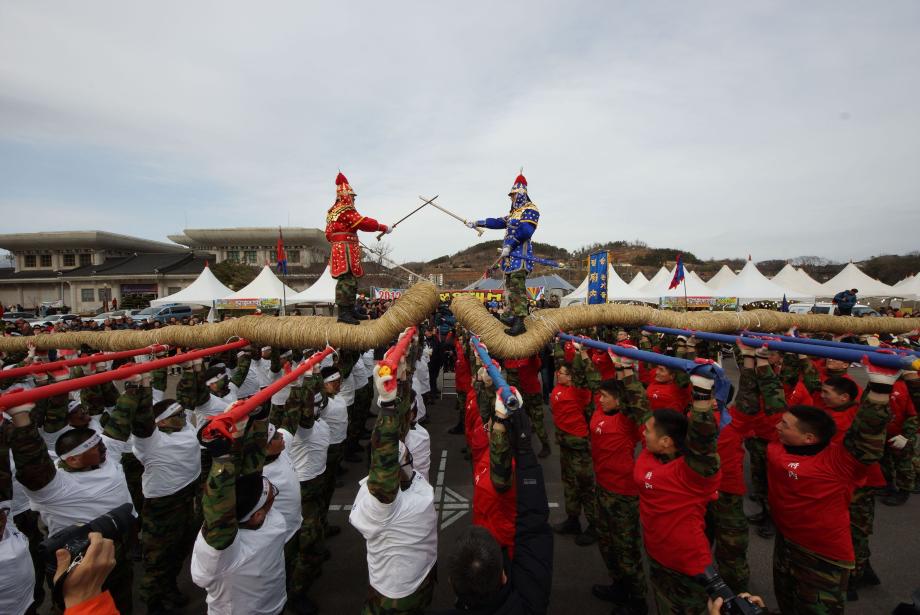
343	585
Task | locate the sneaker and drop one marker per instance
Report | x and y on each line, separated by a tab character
545	451
586	538
570	526
852	594
609	593
767	530
897	498
869	577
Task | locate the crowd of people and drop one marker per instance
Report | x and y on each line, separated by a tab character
649	461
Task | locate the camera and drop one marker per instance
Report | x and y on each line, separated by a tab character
731	603
114	524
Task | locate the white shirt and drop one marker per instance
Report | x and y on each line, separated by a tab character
368	358
359	373
336	415
246	578
80	497
282	475
171	461
402	537
18	578
347	391
250	385
263	368
214	406
421	379
20	501
308	450
50	437
418	441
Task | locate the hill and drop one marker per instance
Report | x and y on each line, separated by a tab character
631	257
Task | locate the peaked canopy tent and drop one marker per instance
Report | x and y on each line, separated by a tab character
799	281
658	286
723	276
617	290
322	291
750	285
909	287
852	277
205	290
638	281
265	286
549	282
906	280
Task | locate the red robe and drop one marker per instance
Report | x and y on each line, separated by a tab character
342	222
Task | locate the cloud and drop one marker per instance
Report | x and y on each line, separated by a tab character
768	128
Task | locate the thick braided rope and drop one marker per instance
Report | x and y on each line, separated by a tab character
421	300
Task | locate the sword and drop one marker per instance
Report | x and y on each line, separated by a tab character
450	213
379	235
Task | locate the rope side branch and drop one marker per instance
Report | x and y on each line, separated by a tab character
416	304
543	325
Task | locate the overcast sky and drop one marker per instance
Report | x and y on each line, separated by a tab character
726	128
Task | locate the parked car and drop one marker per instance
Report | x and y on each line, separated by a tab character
859	309
864	310
164	313
800	308
101	318
53	319
18	315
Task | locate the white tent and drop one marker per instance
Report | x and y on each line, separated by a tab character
205	290
852	277
798	281
909	287
658	286
639	281
321	291
617	290
723	276
750	285
265	286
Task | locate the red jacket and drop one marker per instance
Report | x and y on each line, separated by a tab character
672	509
902	408
613	445
843	419
810	497
668	396
731	451
493	510
568	406
341	223
765	424
476	438
528	371
462	374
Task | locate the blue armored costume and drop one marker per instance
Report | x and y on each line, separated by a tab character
520	225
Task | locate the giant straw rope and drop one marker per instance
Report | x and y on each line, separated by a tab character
421	300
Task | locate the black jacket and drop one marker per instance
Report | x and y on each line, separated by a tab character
530	574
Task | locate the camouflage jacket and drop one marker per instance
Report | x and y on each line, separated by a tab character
501	470
383	476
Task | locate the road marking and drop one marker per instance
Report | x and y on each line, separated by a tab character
450	505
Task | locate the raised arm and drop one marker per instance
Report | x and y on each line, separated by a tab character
748	391
865	439
501	471
383	476
34	468
702	431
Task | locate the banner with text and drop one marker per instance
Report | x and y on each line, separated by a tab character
482	295
387	293
248	304
699	303
597	278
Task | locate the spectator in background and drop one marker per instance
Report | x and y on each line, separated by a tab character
845	300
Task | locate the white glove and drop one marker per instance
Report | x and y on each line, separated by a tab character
500	410
506	250
898	442
380	384
471	223
701	382
19	409
389	229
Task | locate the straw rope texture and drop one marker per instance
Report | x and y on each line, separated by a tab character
421	300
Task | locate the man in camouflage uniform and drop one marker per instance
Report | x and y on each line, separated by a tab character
167	447
342	223
390	512
572	404
898	462
524	374
79	489
614	433
520	225
238	506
